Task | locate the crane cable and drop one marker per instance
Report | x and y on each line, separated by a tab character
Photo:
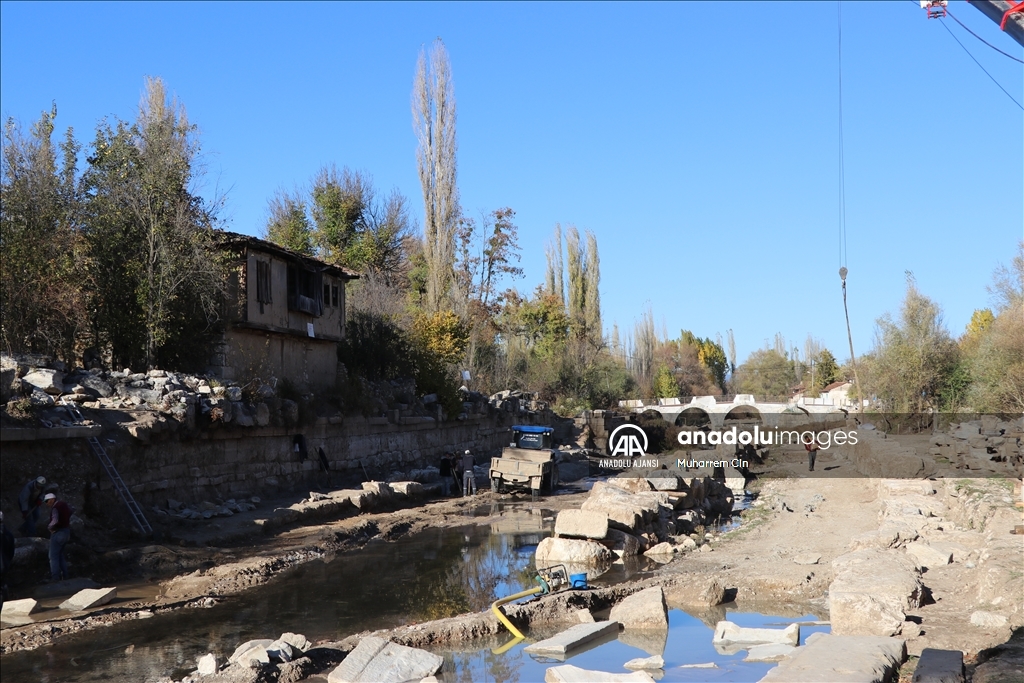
1012	99
964	27
842	212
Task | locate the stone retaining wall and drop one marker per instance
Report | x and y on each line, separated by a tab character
227	463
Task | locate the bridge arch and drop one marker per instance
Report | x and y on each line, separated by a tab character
693	416
744	413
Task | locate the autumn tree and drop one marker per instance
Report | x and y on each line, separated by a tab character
994	352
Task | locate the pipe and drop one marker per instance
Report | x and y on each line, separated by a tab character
501	601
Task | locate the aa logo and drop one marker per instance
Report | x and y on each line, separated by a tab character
626	440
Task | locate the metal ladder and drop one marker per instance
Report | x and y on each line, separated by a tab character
122	489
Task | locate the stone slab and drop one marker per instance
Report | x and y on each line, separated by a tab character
726	631
567	673
769	653
641	663
390	663
357	659
572	637
19	608
841	659
939	666
90	597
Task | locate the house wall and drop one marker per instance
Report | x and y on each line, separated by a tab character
276	315
248	353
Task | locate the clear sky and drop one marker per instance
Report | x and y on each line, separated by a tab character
698	141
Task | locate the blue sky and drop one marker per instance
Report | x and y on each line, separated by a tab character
698	141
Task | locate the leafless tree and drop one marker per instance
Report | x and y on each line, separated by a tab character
553	278
434	115
592	295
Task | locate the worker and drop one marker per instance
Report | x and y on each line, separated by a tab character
60	534
445	471
468	475
30	500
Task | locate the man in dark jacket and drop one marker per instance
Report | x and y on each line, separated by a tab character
445	471
6	556
60	534
30	500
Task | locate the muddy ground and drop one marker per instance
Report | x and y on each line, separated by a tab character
793	518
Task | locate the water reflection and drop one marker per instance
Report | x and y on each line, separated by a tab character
686	642
430	575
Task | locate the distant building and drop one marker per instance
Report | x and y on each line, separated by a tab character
839	393
285	315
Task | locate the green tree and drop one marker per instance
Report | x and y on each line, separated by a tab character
288	225
913	355
158	276
664	384
766	373
344	221
42	279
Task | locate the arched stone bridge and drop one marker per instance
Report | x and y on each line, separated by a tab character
722	411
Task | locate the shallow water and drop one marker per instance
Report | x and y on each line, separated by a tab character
428	575
688	641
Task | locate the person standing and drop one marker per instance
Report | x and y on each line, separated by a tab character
446	474
468	475
30	500
812	453
60	534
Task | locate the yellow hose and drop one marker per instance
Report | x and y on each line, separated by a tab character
502	618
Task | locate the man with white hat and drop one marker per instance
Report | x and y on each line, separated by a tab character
60	534
468	475
29	501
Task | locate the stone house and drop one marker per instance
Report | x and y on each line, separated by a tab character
285	314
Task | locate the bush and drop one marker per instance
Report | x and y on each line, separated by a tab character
376	349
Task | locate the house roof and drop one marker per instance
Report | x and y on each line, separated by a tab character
836	385
234	239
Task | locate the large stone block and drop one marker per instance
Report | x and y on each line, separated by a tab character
841	659
45	379
581	524
644	610
88	598
571	550
939	666
872	591
622	543
19	608
929	556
